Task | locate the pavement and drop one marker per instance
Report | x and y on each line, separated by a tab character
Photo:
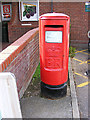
80	68
65	107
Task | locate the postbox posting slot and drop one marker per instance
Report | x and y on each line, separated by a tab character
54	26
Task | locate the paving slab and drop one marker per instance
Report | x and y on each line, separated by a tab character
37	107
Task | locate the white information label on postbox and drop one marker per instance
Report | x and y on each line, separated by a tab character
53	36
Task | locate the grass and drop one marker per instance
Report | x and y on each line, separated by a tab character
37	73
72	51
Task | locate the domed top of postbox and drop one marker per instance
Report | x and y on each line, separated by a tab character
54	16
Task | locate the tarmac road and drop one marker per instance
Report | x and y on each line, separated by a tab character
80	66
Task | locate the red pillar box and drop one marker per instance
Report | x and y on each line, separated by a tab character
54	52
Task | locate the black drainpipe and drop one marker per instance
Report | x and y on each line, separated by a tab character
51	6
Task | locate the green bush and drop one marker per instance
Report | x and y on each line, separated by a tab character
71	52
71	49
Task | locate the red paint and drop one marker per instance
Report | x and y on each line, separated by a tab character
54	56
6	9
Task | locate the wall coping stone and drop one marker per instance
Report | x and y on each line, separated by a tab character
9	54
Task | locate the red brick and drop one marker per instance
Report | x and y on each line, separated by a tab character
24	62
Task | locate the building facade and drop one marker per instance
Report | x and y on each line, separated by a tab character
78	20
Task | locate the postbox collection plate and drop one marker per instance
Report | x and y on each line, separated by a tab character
53	36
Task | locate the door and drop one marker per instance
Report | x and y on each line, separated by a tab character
5	32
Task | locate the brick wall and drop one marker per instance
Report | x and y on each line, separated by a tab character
15	28
21	58
79	18
76	11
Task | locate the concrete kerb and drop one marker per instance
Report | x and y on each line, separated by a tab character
75	108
